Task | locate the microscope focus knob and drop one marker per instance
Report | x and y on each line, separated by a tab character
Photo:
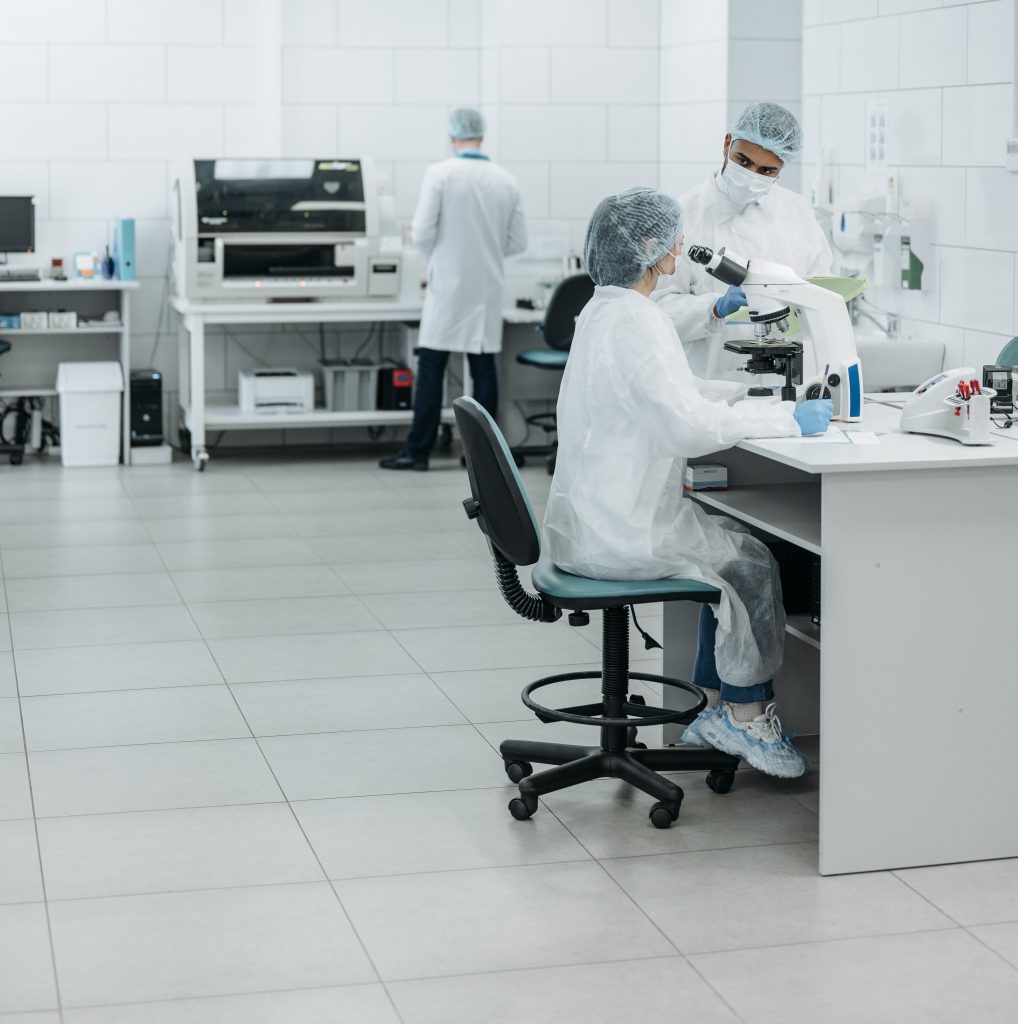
834	380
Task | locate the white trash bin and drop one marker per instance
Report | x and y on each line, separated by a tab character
90	403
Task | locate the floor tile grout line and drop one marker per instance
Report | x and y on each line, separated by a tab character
35	819
965	927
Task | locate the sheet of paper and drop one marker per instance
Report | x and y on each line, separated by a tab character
834	435
862	437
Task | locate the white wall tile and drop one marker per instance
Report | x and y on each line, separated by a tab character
812	12
933	48
53	21
165	131
913	126
981	348
245	128
844	128
122	73
309	23
152	247
904	6
765	19
524	74
991	208
633	133
394	133
154	21
319	75
211	74
678	178
695	73
634	22
977	122
407	177
978	289
781	57
580	75
812	135
435	76
63	238
310	130
674	22
25	71
534	181
693	133
553	133
838	10
821	59
577	188
869	55
707	21
27	178
991	42
393	23
562	23
239	27
951	337
108	190
945	186
55	130
465	23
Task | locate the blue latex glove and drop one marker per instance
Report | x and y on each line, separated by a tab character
733	299
814	416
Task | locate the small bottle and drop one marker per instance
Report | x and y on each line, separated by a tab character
56	269
106	265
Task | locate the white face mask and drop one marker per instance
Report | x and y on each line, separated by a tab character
743	187
676	253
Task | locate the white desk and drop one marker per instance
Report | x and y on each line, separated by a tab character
72	289
916	655
200	416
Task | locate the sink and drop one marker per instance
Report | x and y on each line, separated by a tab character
897	362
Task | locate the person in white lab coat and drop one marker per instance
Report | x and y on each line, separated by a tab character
630	411
469	218
743	207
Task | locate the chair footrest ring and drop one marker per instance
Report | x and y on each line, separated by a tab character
636	714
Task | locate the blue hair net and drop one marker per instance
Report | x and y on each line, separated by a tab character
466	123
629	232
771	126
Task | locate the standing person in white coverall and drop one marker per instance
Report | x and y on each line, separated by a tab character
744	208
630	412
469	218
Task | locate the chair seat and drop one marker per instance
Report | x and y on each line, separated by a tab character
545	358
579	593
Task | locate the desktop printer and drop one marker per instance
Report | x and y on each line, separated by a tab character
279	228
274	390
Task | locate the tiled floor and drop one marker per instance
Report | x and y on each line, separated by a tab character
248	723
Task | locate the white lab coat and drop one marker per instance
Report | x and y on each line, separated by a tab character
469	218
780	228
630	412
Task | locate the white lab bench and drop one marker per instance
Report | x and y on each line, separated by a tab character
915	659
200	416
69	291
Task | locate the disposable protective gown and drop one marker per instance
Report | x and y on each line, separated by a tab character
630	412
780	227
469	217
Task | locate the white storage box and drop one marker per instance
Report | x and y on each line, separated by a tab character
90	401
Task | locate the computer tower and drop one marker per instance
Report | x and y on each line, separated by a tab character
146	408
395	388
123	247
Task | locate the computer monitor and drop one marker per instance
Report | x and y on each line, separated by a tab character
17	224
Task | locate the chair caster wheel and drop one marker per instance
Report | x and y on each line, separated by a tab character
518	770
522	807
720	781
662	815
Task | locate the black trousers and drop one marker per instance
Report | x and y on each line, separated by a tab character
431	365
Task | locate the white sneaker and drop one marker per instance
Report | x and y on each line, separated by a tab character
760	743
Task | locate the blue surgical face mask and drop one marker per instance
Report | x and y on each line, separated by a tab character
742	186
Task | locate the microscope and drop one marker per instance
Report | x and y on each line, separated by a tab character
830	364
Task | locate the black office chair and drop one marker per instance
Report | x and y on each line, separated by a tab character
499	504
566	302
16	448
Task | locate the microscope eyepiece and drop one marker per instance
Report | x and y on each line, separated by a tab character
700	254
727	268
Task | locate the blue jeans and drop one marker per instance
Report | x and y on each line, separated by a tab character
431	363
705	669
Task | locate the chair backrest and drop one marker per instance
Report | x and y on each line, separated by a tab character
1009	354
565	305
5	346
501	505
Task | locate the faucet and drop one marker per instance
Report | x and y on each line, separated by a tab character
890	328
